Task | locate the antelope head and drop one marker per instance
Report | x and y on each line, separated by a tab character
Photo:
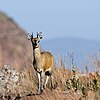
35	41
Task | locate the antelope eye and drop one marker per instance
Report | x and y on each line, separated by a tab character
38	41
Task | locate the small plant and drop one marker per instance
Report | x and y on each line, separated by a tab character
73	82
95	82
68	84
84	89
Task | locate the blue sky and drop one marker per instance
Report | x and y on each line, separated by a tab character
56	18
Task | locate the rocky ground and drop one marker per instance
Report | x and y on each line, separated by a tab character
16	85
9	79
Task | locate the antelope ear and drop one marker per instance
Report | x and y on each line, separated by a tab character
29	36
39	35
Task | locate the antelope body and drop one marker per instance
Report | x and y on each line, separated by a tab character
43	62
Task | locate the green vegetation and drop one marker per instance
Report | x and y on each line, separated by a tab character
92	85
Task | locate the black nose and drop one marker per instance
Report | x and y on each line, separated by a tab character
35	43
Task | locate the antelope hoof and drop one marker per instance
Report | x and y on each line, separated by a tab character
39	92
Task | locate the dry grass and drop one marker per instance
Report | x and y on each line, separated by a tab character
29	85
82	86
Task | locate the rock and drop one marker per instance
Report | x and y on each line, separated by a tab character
9	79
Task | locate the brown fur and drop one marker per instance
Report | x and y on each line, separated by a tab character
47	60
43	62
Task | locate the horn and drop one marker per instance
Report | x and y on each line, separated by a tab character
32	34
37	34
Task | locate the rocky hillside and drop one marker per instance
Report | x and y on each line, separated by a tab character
14	44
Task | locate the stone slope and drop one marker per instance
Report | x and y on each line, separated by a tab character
14	44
